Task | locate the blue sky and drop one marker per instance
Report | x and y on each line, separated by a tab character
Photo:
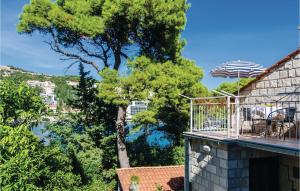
216	31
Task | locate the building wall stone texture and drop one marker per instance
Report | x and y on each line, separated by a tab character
226	166
280	83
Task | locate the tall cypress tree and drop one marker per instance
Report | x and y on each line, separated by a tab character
92	109
97	118
86	97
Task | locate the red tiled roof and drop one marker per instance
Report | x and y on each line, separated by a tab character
170	177
274	66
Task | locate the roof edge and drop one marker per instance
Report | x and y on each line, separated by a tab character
148	167
268	70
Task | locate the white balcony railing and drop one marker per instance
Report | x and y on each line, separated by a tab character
259	116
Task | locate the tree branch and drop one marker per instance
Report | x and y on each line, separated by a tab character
67	68
105	52
124	55
91	54
55	47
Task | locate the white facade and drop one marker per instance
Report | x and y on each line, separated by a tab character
47	93
134	108
72	83
47	86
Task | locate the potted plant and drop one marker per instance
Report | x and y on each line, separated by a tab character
159	187
134	183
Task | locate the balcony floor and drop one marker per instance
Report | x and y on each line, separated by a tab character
272	144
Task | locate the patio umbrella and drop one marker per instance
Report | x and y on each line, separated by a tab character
238	69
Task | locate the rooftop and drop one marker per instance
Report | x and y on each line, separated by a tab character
170	177
273	67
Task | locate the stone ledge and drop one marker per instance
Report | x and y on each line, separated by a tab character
276	148
217	139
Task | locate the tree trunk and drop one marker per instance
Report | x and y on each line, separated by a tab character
122	151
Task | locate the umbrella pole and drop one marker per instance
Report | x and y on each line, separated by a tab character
238	83
238	108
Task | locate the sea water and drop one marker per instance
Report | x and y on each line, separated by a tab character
155	138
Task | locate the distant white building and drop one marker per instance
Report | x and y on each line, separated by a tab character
47	93
5	68
47	86
72	83
134	108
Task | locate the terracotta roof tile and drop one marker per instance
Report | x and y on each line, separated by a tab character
170	177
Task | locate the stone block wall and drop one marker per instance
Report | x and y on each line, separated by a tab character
208	171
282	79
226	166
279	81
287	179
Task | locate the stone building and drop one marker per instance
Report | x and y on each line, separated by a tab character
221	160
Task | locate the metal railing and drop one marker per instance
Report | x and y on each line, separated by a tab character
258	116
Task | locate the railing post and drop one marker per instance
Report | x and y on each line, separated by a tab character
228	116
191	113
237	110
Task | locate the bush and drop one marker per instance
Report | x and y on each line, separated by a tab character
26	164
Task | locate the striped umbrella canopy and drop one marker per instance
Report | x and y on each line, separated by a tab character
238	69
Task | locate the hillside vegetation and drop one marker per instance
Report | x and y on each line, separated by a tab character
63	91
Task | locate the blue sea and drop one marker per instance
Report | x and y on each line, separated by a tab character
40	131
155	138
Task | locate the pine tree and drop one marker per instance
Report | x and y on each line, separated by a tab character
86	97
105	33
92	109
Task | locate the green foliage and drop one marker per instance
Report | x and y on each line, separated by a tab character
99	185
159	83
72	161
85	92
93	126
154	26
19	104
232	87
26	164
143	154
94	162
22	160
63	91
102	33
178	155
107	32
92	110
23	76
159	187
76	159
134	179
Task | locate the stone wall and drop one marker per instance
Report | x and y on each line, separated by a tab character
282	79
287	179
279	82
226	166
208	171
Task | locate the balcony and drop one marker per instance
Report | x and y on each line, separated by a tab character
257	121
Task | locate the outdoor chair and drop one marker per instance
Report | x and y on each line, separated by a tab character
278	118
246	118
252	116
